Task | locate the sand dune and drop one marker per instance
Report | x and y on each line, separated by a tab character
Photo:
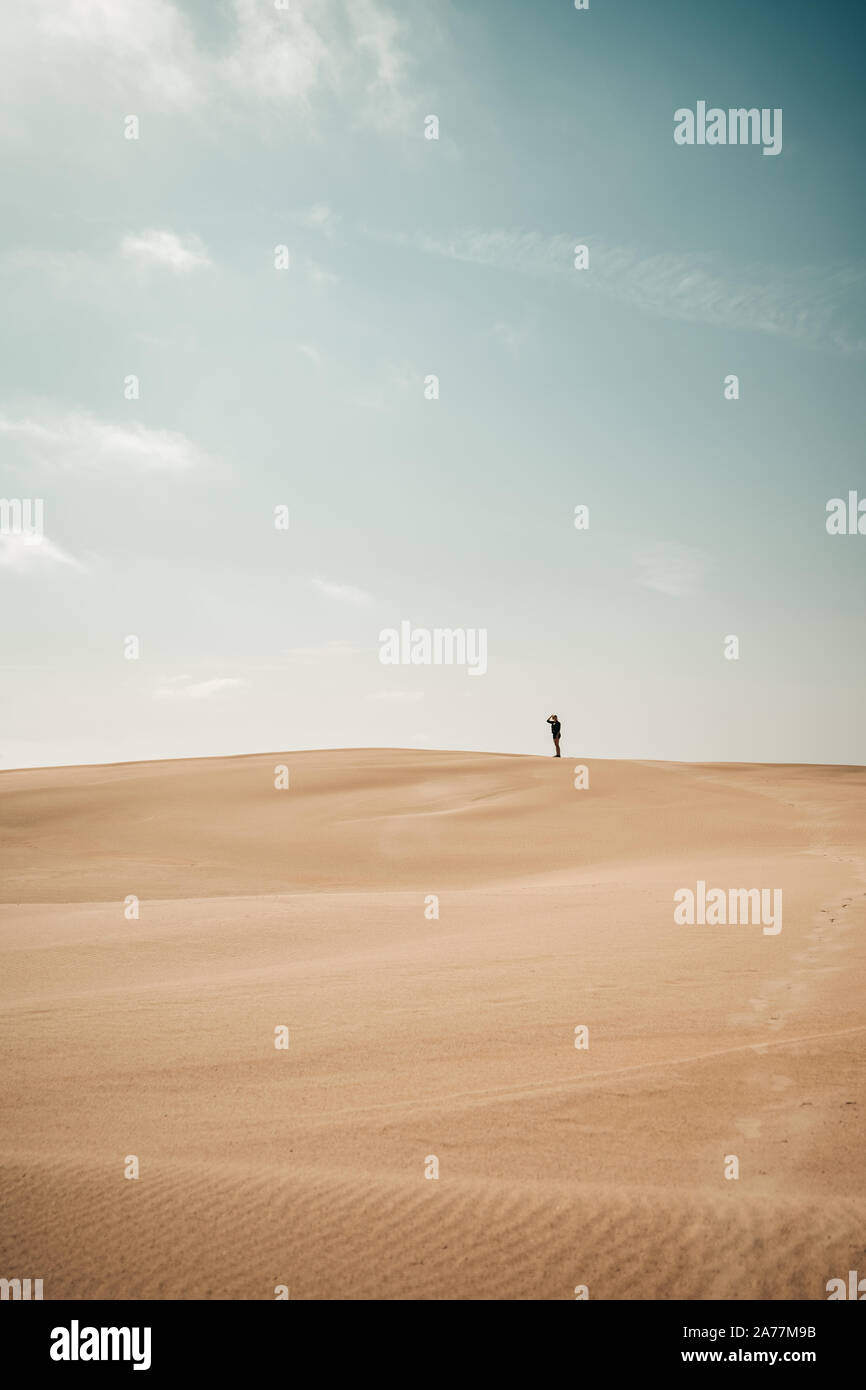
413	1037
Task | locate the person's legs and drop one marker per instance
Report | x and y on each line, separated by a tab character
557	754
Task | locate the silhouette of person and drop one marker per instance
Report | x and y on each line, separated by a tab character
555	729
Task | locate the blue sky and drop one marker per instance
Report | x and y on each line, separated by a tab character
408	257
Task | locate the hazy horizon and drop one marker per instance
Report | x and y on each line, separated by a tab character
402	748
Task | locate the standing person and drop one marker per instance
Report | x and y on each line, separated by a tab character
555	729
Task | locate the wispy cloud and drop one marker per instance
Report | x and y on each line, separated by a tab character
319	218
671	569
84	275
181	689
379	36
343	593
82	442
806	304
255	60
35	558
319	274
161	248
120	40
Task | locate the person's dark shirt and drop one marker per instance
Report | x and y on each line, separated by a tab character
555	728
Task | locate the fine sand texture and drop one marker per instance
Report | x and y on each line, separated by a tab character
144	1034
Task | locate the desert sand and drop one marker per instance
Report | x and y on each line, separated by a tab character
413	1037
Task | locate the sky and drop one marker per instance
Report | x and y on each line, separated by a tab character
168	381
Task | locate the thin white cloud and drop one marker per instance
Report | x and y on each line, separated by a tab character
277	57
806	304
319	218
161	248
120	41
344	593
312	353
675	570
319	274
82	442
36	557
378	33
200	690
253	61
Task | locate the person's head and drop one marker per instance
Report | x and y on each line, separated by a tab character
554	716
